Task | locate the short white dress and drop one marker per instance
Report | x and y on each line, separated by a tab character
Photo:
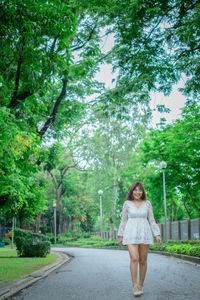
138	225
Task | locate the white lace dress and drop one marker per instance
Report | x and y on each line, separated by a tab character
138	225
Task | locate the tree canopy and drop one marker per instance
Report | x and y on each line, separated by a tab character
50	53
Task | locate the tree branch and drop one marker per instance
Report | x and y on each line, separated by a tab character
150	33
54	179
14	97
62	192
53	46
197	209
184	203
104	56
66	168
89	38
187	51
51	119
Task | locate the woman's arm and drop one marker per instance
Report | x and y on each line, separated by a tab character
154	226
123	220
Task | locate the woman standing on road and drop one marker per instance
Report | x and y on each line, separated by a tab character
136	230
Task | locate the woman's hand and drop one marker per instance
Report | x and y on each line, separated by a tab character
158	238
120	241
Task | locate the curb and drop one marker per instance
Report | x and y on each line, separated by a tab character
20	284
194	259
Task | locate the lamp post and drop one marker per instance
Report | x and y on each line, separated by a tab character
54	206
100	192
13	226
163	165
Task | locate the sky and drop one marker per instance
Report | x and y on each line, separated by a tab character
175	101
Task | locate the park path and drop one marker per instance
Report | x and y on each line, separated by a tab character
104	274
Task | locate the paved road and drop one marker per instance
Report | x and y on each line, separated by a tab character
102	274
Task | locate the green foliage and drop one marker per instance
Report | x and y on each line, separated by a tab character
182	247
191	242
50	54
195	251
95	238
72	234
51	237
178	145
42	85
155	44
19	152
6	241
30	244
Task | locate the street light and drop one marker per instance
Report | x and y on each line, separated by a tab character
54	206
100	192
163	165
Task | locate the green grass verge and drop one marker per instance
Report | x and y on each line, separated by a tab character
13	267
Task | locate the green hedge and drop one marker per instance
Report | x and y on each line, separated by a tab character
30	244
192	249
6	241
50	237
191	242
71	236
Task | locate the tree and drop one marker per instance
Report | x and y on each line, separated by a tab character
155	44
59	162
106	147
178	145
50	52
21	189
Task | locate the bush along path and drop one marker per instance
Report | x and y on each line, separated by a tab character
191	248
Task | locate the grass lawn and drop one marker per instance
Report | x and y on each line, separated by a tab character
13	267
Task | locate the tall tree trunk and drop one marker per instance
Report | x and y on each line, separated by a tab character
36	224
71	224
174	211
115	197
60	192
57	211
22	222
189	214
197	209
171	212
63	219
111	229
43	221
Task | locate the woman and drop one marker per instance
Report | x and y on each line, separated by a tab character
136	230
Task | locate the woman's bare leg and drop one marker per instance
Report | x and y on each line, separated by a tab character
134	258
143	252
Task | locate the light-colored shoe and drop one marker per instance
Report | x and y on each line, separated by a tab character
136	291
140	289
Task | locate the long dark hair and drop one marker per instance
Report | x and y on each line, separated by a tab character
133	187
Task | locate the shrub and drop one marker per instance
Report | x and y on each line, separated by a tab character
61	238
192	242
192	249
195	251
96	237
74	235
87	235
50	237
31	244
6	241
